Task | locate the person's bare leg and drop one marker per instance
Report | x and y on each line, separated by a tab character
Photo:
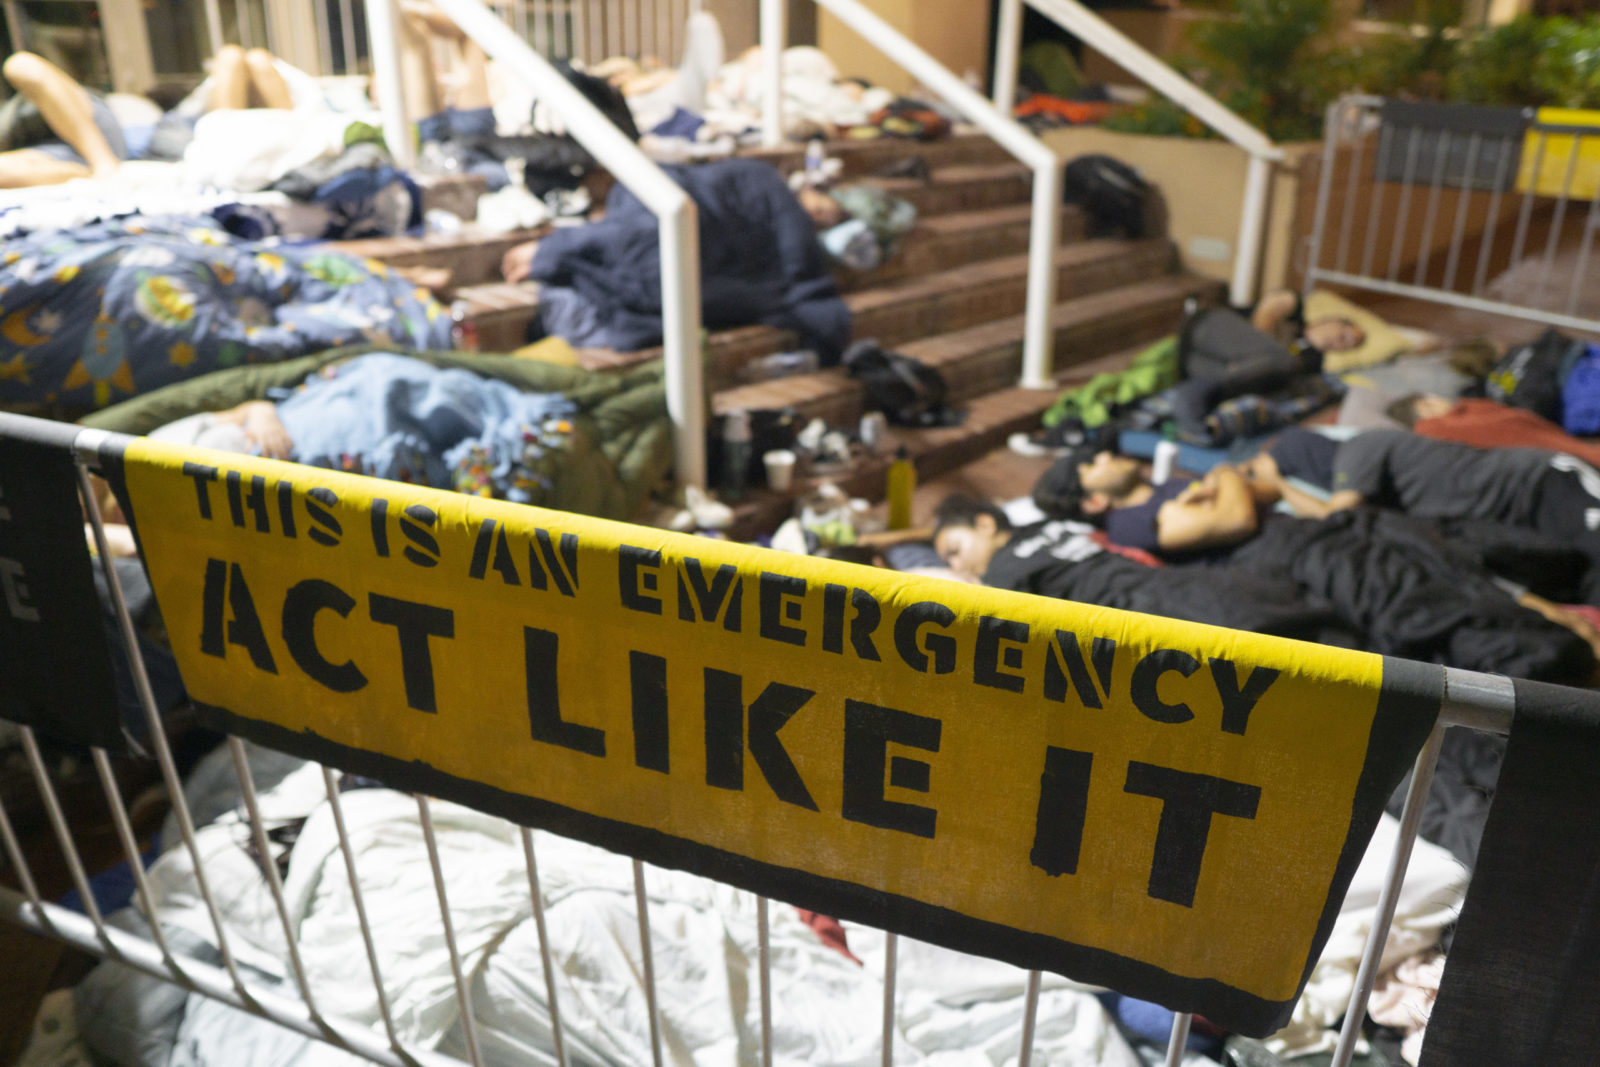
26	168
268	83
65	106
230	80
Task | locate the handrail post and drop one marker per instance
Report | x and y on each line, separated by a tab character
1252	228
681	358
1044	237
1007	55
384	47
774	36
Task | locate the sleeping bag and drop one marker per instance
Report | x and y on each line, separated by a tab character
760	262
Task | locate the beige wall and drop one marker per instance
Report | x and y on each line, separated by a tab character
955	32
739	20
1203	184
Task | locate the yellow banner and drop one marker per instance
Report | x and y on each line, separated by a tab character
1160	806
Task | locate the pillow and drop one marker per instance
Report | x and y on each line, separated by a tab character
1383	342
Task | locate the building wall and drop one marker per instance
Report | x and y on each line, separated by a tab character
955	32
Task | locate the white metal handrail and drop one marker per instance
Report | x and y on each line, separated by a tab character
1111	42
676	212
1044	236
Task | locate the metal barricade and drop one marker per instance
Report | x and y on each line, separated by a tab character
1479	210
1472	700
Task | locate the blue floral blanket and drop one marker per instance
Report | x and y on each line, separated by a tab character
98	313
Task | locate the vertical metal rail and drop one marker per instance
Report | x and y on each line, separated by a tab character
469	1022
130	849
214	25
891	950
1319	219
1375	211
87	448
764	958
774	34
258	834
577	31
664	33
1348	217
384	46
242	20
1388	898
1486	245
347	35
1525	213
1432	214
1030	1020
324	37
359	903
1252	229
1178	1041
1403	211
1560	216
1007	60
647	961
1463	199
544	946
63	836
1583	254
613	29
19	861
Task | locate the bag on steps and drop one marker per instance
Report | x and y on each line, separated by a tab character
1117	197
907	391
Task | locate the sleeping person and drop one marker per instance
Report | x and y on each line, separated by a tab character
395	417
52	129
1369	580
600	283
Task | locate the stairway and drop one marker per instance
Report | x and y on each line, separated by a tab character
952	296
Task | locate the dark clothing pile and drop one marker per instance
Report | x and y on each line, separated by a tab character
759	258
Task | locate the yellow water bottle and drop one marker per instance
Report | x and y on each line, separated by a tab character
902	485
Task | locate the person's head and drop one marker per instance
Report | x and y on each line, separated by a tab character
823	209
1335	334
967	532
1412	409
1086	483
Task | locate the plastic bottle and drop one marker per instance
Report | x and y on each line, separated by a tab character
816	153
902	485
1164	460
736	451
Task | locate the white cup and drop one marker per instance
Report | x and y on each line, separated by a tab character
780	469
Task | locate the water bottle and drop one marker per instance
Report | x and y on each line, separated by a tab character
736	452
902	486
816	154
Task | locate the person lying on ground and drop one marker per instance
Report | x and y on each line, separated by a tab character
52	129
1384	583
1485	423
1282	314
1181	517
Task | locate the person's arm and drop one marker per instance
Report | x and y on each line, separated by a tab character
1273	309
259	420
1313	507
1218	510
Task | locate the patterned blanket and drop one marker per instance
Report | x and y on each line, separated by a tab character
101	312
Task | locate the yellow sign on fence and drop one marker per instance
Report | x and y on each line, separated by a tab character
1170	809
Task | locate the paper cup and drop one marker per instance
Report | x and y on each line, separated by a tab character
780	469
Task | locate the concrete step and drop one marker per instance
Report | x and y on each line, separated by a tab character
472	255
990	420
898	311
986	358
963	187
864	157
944	242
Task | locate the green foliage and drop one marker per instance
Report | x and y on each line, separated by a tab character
1568	69
1270	63
1497	66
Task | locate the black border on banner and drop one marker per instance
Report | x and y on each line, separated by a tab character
1408	706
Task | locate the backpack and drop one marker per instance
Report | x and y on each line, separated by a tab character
907	391
1116	196
1531	376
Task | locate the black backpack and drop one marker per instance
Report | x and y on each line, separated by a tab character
1116	197
1531	375
907	391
